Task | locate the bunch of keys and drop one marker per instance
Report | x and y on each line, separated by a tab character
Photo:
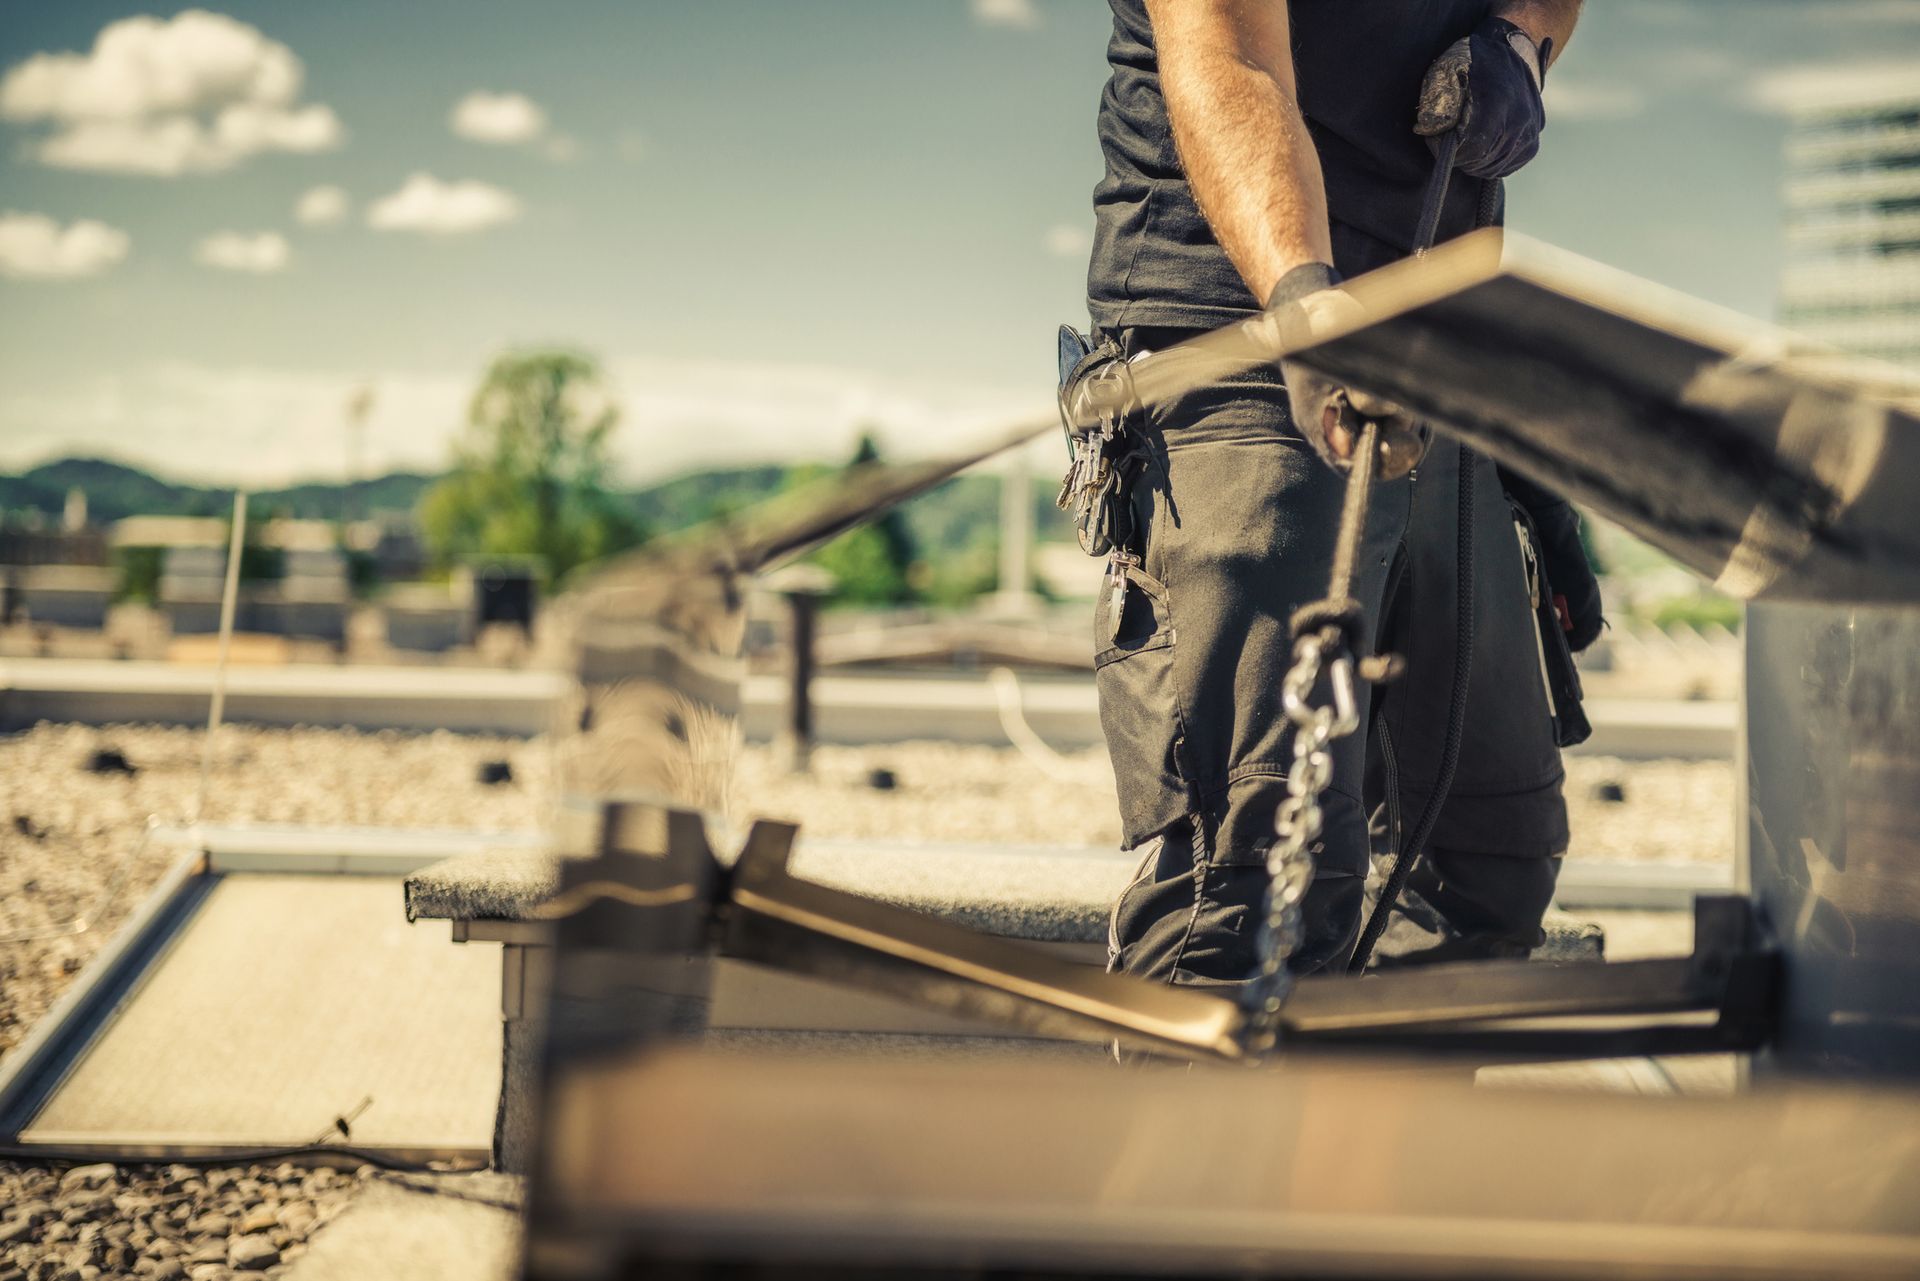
1101	453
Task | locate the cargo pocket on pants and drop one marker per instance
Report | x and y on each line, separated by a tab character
1140	711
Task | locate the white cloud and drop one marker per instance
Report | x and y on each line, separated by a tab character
1066	240
261	253
34	246
144	66
263	426
163	147
321	206
1020	14
247	127
1570	99
680	414
1810	86
247	424
199	92
499	118
426	204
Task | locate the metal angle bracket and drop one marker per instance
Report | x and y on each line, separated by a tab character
658	889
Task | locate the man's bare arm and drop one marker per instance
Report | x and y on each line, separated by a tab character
1226	71
1541	19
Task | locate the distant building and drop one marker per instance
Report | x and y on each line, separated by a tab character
27	539
1853	227
392	541
192	551
303	589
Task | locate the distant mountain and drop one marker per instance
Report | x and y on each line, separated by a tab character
17	493
113	489
321	500
702	495
961	514
964	513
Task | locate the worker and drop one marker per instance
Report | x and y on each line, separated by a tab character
1258	152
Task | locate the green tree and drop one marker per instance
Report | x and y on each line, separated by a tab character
530	476
876	563
139	574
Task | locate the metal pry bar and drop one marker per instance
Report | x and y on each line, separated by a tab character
778	919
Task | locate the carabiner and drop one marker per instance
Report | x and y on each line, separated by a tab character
1346	707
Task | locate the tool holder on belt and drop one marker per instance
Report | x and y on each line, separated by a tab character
1105	456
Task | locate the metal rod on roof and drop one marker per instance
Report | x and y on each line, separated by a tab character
229	598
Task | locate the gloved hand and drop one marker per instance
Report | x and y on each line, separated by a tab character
1305	304
1487	85
1576	592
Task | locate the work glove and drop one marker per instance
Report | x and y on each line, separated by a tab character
1576	591
1306	304
1487	85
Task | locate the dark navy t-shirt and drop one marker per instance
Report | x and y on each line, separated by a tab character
1358	65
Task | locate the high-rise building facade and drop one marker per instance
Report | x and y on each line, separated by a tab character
1853	228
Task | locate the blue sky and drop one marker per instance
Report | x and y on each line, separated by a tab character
774	221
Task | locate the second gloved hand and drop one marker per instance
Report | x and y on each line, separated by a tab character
1331	415
1487	87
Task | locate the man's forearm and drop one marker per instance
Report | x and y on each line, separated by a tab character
1242	142
1542	19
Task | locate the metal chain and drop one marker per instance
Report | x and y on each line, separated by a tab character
1315	729
1300	819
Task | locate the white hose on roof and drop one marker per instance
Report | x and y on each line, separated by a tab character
1013	719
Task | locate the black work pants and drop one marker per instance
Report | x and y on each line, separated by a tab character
1235	520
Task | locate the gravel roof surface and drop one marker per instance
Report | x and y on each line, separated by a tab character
173	1222
1671	810
66	833
168	1221
940	791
